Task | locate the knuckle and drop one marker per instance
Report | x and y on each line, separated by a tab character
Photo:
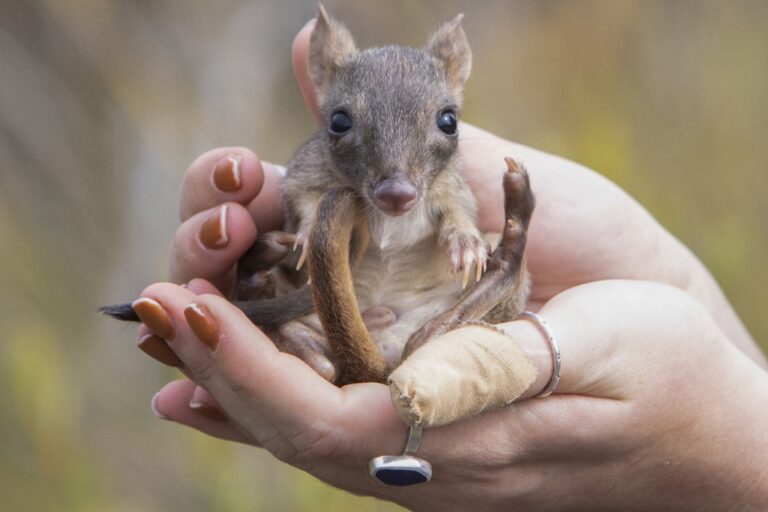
157	289
204	371
182	236
185	256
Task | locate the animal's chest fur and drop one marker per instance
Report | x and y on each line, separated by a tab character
405	269
415	283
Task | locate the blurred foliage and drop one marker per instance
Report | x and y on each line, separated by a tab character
104	102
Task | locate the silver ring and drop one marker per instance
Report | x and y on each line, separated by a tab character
555	349
405	469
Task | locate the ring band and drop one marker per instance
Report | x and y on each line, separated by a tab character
405	469
414	440
554	348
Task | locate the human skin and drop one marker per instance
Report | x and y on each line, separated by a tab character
657	368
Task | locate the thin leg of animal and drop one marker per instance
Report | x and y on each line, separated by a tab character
254	280
256	286
506	279
267	251
260	286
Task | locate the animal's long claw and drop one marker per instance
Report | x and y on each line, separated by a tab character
512	165
465	278
302	258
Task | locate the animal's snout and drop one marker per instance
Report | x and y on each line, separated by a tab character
394	196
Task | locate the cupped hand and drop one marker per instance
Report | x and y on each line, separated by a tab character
650	380
649	386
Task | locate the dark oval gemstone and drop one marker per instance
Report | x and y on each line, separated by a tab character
400	476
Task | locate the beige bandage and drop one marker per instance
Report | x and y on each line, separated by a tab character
462	373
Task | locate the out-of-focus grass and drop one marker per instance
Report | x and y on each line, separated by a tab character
103	103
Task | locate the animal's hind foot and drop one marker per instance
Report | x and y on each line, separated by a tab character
504	281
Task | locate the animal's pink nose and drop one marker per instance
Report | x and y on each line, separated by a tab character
394	196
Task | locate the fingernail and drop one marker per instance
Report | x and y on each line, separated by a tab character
156	348
213	232
153	406
207	409
203	325
154	316
226	174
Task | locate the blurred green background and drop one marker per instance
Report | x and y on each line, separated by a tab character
103	103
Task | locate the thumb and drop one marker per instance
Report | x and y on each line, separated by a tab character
299	57
615	337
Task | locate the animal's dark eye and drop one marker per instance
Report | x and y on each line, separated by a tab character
340	123
447	122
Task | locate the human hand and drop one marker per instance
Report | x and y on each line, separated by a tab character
649	386
241	425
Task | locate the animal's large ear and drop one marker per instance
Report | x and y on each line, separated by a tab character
450	47
329	46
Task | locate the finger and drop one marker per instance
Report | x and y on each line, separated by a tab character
201	286
278	398
220	175
233	174
157	348
239	364
172	403
615	335
267	207
300	58
587	349
204	403
208	245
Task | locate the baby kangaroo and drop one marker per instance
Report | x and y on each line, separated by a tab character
383	218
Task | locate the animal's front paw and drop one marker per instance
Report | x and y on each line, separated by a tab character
468	253
301	241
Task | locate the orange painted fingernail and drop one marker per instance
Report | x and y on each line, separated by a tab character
154	316
208	410
156	348
203	325
213	232
226	174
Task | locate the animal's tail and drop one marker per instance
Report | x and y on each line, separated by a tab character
264	313
122	312
357	356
